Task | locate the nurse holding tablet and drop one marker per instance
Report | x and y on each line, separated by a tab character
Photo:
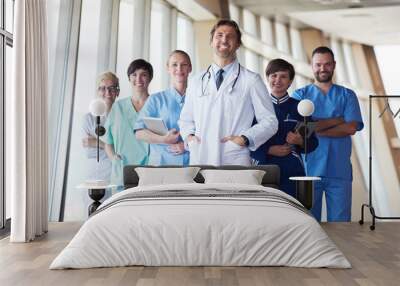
167	149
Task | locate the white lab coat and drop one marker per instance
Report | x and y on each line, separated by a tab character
214	114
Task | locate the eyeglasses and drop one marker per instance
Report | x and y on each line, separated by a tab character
110	89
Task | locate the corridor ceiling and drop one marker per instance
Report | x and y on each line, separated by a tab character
365	21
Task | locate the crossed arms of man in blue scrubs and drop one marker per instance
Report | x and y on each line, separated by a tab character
338	113
335	127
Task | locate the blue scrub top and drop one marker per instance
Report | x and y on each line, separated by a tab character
332	157
166	105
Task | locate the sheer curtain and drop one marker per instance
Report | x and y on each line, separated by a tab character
28	122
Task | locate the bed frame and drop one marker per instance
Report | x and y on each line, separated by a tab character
270	179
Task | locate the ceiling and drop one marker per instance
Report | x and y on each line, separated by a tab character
369	22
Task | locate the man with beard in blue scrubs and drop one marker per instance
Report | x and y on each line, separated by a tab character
338	112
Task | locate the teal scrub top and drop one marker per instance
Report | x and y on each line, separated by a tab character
166	105
331	159
119	132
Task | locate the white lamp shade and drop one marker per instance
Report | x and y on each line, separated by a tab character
98	107
305	107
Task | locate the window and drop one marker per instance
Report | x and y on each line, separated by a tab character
251	61
85	90
126	42
282	38
9	16
234	11
388	61
267	31
185	38
264	65
160	36
6	44
8	86
53	18
85	39
250	23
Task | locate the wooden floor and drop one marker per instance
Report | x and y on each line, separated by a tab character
374	255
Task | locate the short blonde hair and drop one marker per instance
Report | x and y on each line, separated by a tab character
107	76
183	53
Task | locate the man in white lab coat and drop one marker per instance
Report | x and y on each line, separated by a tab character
221	103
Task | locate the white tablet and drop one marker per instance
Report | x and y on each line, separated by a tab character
155	125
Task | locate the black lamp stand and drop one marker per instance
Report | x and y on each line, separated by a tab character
100	131
97	194
305	188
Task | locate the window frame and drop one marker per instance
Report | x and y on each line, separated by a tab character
6	39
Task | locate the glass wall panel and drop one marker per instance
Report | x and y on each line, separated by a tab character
131	32
2	129
297	46
282	38
341	72
85	90
251	60
125	44
185	38
389	61
53	15
264	66
8	90
249	22
349	63
300	81
9	11
266	31
234	12
6	60
2	137
160	29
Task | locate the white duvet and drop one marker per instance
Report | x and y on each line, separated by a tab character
183	231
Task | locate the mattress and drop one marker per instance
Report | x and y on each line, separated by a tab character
201	225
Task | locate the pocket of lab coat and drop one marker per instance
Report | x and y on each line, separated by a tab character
232	146
194	149
235	154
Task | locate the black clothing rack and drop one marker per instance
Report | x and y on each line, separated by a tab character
369	205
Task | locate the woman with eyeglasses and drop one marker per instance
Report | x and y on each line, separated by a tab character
121	145
167	149
108	90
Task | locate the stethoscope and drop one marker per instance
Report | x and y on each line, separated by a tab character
208	74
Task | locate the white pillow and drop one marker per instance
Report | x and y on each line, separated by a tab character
166	176
249	177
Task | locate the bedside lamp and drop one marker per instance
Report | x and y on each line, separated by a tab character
306	109
96	188
305	185
98	108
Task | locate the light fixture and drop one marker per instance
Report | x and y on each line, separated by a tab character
98	108
305	185
305	109
333	2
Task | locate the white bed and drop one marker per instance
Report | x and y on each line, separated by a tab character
224	225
